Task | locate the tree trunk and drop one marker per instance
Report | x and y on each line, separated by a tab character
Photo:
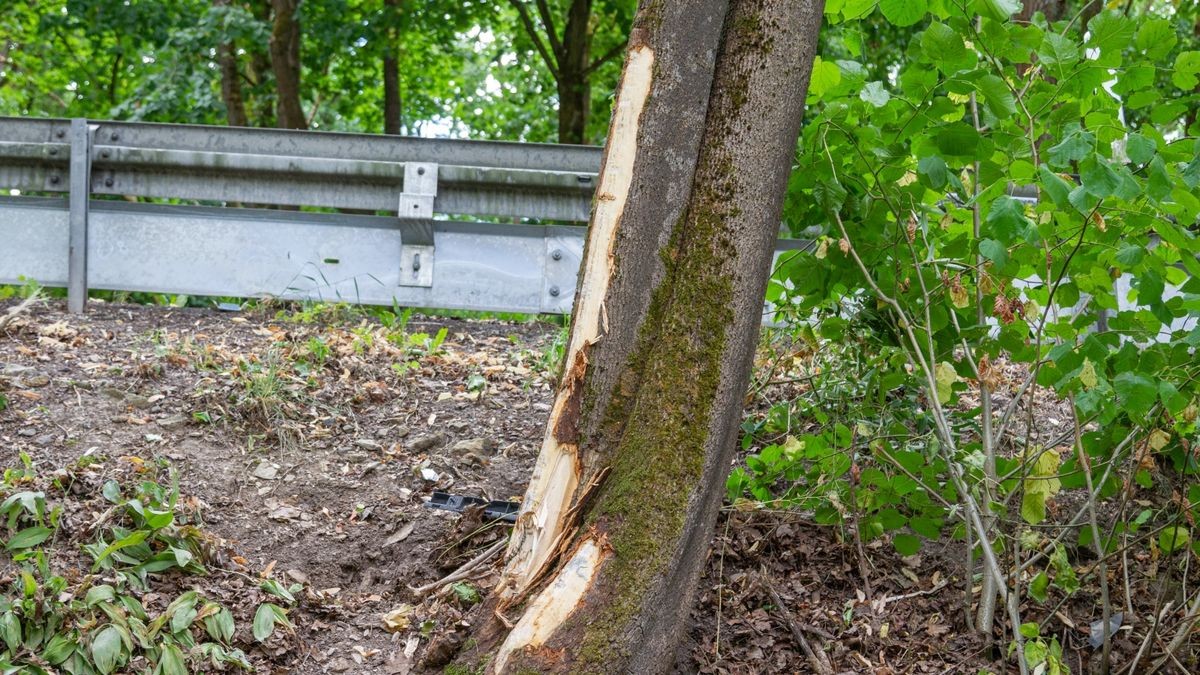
392	111
1052	9
285	62
574	85
231	80
620	510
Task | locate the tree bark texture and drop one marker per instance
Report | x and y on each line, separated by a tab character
392	111
617	521
231	80
285	63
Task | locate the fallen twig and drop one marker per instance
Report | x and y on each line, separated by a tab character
462	572
818	659
1181	636
879	604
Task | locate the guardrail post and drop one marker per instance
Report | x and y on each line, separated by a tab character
81	184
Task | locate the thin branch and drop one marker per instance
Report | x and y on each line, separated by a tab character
609	55
819	663
462	572
551	31
551	61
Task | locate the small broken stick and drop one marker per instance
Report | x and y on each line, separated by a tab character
818	660
462	572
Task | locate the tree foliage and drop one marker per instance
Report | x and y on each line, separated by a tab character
466	68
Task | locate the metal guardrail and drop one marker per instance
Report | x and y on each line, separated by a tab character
238	231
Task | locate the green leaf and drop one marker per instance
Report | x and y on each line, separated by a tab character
1055	187
934	169
264	622
875	94
172	661
1130	255
1057	50
135	538
111	491
59	649
220	626
906	544
945	376
107	649
825	76
466	593
1006	220
942	45
1187	68
999	10
857	9
1174	538
1139	148
997	95
1075	145
99	594
958	139
1037	587
1033	507
903	12
1098	177
28	538
1156	37
266	617
994	251
1110	31
10	629
1135	392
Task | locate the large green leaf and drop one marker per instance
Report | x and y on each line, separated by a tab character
903	12
1006	221
825	76
1135	392
28	538
107	649
997	95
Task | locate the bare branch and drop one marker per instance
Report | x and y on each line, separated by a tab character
609	55
550	60
551	32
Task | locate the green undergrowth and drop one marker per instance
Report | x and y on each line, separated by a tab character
96	585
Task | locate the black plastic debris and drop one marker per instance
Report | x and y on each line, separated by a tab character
492	510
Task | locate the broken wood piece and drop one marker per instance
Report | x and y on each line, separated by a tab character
462	572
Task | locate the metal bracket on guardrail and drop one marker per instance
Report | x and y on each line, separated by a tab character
416	239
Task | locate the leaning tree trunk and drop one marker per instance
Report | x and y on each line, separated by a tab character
285	62
620	510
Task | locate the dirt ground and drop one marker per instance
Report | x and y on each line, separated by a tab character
306	443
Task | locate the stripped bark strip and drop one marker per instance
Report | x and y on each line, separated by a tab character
557	472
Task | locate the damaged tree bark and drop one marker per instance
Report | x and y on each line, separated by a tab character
619	513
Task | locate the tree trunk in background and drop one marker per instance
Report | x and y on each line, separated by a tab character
392	112
285	62
574	85
1053	9
231	80
619	514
